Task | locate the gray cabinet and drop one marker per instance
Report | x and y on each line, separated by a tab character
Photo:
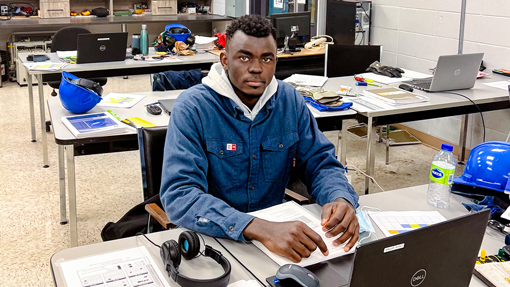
165	7
235	8
55	9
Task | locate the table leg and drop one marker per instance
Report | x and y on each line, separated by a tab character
72	195
371	131
43	122
387	144
343	152
463	137
31	104
62	183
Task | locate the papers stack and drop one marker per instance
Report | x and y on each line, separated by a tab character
45	66
395	96
101	124
306	80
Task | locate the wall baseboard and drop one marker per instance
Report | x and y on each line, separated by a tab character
430	140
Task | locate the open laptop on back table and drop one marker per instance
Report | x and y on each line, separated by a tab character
101	47
440	255
453	72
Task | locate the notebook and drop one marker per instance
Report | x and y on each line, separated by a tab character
441	254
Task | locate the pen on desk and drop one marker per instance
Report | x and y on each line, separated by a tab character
113	114
373	85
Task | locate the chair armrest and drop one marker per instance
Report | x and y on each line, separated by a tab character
155	211
294	196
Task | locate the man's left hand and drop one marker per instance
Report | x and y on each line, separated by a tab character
337	217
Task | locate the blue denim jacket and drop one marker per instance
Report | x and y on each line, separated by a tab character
218	164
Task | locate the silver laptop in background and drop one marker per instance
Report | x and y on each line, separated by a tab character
453	72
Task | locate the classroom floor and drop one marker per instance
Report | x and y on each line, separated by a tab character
108	185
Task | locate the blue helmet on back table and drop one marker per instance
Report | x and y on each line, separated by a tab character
488	166
79	95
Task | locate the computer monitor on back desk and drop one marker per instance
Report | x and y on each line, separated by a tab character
101	47
283	23
348	60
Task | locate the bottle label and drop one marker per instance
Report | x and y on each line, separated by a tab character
441	175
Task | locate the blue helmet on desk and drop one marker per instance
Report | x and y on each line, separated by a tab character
488	166
79	95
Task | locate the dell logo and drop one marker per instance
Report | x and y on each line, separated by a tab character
418	277
102	48
457	72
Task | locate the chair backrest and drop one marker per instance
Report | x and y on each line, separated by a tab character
66	39
348	60
152	144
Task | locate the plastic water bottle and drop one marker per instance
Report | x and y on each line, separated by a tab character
144	40
442	172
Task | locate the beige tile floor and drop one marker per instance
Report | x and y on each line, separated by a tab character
107	185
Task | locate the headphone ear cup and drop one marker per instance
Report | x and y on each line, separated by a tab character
170	253
189	244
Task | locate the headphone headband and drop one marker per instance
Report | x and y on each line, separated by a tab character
89	85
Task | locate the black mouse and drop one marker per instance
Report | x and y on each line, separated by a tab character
406	87
299	274
154	110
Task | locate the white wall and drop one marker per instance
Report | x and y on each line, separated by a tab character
415	32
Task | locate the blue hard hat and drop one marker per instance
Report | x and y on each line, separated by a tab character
178	31
488	166
75	97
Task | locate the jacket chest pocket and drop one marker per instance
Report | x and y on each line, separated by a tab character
277	155
224	159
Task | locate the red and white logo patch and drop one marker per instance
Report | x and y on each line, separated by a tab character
231	147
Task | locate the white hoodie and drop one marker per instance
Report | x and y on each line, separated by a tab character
219	82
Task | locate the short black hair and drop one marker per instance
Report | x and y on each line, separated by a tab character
251	25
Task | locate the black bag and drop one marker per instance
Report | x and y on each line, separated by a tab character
134	221
100	12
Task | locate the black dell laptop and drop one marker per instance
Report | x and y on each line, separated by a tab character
101	47
443	254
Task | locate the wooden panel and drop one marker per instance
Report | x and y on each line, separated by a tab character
81	5
55	9
168	7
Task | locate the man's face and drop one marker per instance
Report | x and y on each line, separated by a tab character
250	63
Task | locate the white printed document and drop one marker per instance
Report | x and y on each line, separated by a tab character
307	80
398	222
127	268
45	66
499	85
117	100
291	211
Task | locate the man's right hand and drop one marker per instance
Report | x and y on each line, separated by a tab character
293	239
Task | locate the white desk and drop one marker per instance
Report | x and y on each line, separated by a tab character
439	105
412	198
123	68
71	146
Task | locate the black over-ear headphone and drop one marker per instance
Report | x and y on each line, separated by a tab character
189	247
89	85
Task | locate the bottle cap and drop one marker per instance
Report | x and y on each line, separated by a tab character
144	26
447	147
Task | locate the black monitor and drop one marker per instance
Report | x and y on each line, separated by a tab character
283	23
347	60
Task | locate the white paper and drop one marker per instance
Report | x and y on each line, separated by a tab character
291	211
366	104
130	268
416	75
204	40
244	283
278	4
306	80
45	66
165	60
398	222
117	100
65	54
499	85
407	76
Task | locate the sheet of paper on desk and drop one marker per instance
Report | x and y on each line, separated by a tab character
65	54
45	66
165	60
398	222
131	267
499	85
291	211
407	76
366	104
117	100
306	80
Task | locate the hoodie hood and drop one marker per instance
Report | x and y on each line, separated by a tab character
218	80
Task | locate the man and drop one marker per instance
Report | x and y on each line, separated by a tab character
233	141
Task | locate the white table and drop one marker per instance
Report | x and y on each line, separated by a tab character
69	146
412	198
439	105
106	69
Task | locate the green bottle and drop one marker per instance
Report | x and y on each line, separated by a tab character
144	40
